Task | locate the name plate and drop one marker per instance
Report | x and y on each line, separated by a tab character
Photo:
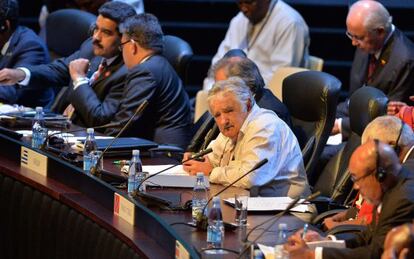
180	251
124	208
33	160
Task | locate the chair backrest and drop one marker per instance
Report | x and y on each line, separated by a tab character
179	53
66	29
275	84
365	104
311	98
315	63
201	105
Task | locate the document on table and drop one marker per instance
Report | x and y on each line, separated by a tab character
152	169
270	204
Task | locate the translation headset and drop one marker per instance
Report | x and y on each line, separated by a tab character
397	148
381	173
4	16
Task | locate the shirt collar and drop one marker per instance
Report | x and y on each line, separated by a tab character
378	53
252	114
408	154
6	45
109	61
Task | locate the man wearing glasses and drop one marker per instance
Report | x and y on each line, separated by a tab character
270	32
380	178
95	74
384	57
167	117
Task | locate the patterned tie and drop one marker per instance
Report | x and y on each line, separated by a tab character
68	112
371	67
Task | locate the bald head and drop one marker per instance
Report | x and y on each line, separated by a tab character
368	24
399	240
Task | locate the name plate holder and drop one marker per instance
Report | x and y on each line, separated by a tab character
124	208
33	160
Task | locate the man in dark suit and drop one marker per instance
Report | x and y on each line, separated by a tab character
95	74
384	57
20	46
167	117
380	178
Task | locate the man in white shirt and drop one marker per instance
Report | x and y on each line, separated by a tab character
248	134
271	33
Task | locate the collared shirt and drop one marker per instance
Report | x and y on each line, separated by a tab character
283	41
6	46
262	135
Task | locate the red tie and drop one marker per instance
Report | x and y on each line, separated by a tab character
371	67
98	72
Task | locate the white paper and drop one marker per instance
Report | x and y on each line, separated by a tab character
327	243
152	169
268	251
28	133
270	204
334	139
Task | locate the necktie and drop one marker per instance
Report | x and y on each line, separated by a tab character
371	67
68	112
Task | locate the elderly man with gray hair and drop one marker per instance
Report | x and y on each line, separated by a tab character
249	134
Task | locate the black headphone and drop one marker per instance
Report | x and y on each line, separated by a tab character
397	148
3	19
381	173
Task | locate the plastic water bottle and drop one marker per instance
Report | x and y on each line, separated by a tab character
88	147
280	252
135	174
199	196
215	229
39	132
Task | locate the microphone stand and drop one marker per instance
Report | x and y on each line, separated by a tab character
202	219
139	110
274	219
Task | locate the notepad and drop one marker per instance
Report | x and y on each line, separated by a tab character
270	204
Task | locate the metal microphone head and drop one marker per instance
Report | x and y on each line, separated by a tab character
313	196
202	153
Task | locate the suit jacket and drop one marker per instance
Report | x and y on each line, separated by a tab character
25	48
397	209
393	73
94	104
167	118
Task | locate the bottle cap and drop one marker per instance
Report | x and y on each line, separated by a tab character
90	130
282	226
216	199
200	174
135	152
39	109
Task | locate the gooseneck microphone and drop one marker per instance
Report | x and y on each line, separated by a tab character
202	219
138	112
274	219
194	156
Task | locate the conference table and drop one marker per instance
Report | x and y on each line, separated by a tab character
155	232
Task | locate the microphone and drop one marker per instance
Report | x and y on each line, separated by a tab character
276	218
137	112
193	157
202	219
108	125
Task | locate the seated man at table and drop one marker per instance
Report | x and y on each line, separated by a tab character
167	117
20	46
378	175
248	134
95	73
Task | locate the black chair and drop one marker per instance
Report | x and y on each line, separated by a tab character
179	53
66	29
365	105
311	98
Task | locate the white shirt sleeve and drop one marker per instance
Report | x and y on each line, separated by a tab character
26	79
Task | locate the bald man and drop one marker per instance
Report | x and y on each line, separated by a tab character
399	243
384	57
378	175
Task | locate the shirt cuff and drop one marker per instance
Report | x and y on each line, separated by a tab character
331	237
80	81
27	76
318	252
339	120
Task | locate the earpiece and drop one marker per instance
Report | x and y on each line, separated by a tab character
381	173
397	148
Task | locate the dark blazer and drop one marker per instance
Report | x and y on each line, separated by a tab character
167	118
95	104
397	209
25	49
393	74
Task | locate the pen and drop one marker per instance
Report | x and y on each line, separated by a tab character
121	162
305	229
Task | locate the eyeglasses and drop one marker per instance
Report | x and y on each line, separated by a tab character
354	37
356	180
121	45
